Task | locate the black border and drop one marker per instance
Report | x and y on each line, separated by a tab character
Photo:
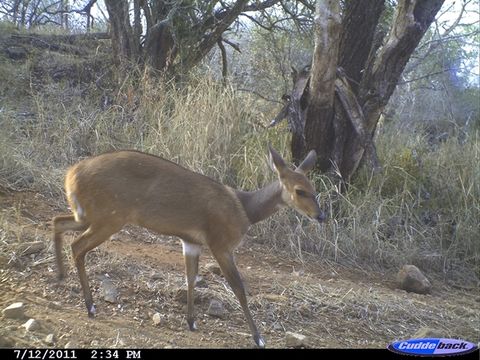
155	354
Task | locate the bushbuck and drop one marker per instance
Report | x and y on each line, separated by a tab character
111	190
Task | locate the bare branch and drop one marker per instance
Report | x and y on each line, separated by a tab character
223	52
232	44
428	75
260	95
260	6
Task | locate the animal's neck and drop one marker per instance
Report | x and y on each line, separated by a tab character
262	203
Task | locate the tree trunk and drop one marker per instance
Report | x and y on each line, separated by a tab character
319	129
411	21
123	42
359	23
341	130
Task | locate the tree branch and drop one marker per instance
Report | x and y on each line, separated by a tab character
232	44
223	52
205	45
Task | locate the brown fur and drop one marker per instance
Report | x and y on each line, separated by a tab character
129	187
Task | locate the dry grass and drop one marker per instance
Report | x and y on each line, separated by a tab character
423	209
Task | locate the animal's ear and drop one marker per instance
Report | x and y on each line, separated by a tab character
308	163
276	161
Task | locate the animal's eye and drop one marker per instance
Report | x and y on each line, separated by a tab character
300	192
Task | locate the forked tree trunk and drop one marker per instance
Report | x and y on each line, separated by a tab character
352	78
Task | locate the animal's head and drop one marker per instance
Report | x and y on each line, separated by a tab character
297	190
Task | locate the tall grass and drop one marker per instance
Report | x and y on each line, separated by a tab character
423	209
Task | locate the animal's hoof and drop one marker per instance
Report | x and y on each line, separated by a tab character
259	341
192	325
91	311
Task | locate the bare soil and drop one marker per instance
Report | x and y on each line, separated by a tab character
334	306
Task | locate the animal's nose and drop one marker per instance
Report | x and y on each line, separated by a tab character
321	217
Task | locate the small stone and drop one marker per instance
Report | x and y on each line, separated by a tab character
294	340
31	325
157	319
70	345
94	343
411	279
14	311
109	291
213	268
216	309
426	332
50	339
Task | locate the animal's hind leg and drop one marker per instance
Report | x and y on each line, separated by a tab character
61	224
90	239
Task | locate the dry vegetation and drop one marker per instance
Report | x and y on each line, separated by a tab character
423	209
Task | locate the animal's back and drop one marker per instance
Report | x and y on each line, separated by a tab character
143	189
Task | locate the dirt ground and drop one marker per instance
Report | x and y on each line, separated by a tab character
333	306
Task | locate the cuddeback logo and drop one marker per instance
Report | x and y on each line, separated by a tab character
440	347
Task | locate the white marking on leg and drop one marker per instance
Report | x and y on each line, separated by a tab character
78	211
191	249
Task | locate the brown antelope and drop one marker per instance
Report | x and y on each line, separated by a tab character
129	187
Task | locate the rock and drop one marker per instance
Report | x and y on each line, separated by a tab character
213	268
411	279
6	342
157	276
294	340
109	291
31	325
16	52
14	311
33	247
49	339
216	309
426	332
70	345
157	319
